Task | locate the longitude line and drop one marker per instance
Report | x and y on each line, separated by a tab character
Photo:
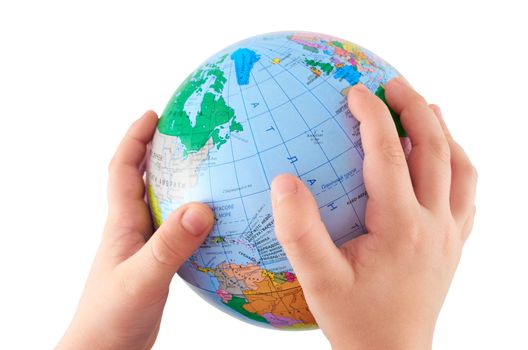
238	185
333	168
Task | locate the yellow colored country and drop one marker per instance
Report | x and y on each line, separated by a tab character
154	205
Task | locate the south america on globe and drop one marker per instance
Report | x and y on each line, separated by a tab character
270	104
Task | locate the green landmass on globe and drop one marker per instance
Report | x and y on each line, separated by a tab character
267	105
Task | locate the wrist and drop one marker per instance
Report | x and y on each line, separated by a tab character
377	345
81	337
418	339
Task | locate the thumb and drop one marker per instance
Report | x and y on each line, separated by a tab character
303	236
151	269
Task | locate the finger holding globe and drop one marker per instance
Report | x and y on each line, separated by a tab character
271	104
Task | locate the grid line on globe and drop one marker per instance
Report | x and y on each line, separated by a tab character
267	105
310	130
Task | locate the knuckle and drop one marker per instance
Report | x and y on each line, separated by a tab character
451	240
294	233
468	225
301	242
439	148
414	106
448	227
464	163
414	102
469	172
392	152
164	253
418	100
410	225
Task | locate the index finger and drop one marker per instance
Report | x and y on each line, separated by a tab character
125	183
385	170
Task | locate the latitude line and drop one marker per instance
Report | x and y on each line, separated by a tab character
286	102
368	53
253	138
274	146
322	150
301	53
274	122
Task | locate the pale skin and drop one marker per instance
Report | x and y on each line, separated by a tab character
382	290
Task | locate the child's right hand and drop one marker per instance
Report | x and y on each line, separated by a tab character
384	289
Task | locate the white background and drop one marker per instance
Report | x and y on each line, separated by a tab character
74	75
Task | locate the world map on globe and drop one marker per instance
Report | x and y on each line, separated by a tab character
267	105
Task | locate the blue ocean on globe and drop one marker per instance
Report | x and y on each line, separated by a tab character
271	104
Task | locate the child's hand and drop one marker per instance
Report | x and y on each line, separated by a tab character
384	290
126	290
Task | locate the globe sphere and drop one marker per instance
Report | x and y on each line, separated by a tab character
267	105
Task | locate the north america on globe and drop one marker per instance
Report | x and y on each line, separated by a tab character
271	104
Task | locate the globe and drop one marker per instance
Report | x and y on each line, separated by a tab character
270	104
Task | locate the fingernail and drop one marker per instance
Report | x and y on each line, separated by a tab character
283	186
360	88
195	221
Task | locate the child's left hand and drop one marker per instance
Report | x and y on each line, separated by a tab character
127	288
